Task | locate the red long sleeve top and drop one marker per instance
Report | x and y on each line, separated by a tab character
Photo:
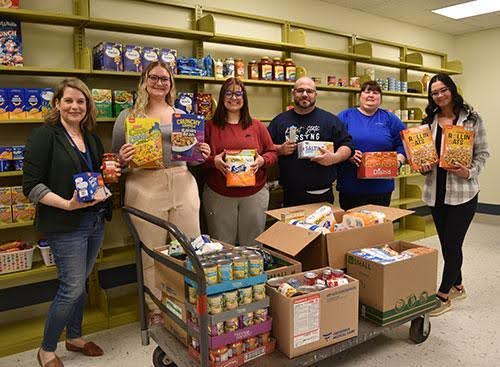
233	136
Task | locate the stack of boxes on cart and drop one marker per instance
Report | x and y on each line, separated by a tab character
352	266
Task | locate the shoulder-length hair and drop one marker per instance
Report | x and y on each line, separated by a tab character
220	115
142	101
456	99
371	86
54	116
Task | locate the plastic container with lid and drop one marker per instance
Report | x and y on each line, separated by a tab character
278	70
219	68
239	68
265	68
253	70
228	69
290	70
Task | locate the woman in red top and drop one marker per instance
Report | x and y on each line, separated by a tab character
236	214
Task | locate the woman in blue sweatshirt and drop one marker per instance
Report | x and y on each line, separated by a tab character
373	130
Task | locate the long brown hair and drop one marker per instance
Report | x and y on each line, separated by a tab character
220	115
54	116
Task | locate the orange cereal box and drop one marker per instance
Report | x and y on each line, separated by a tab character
17	195
22	213
456	147
5	214
145	135
5	196
378	165
240	175
419	146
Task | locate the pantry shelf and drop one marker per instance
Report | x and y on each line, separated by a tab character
256	43
10	174
115	257
38	273
30	70
43	17
329	53
16	225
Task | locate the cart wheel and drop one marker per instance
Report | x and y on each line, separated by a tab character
418	334
160	359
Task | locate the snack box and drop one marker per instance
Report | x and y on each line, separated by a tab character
149	55
122	99
309	149
457	146
204	104
185	102
16	104
5	214
90	186
132	59
108	56
11	47
33	104
188	131
18	151
46	94
103	102
169	57
4	114
5	165
378	165
13	4
145	135
22	213
5	153
419	146
17	195
240	174
5	196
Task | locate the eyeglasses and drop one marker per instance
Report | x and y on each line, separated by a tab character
230	94
302	90
438	92
155	79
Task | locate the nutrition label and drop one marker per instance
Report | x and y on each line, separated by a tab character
306	321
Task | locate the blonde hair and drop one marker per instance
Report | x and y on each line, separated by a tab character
142	101
54	116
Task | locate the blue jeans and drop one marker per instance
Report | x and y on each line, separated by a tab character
75	254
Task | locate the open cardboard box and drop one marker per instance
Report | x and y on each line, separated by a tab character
315	250
394	291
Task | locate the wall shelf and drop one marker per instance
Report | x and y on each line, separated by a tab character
44	17
30	70
38	273
11	174
16	225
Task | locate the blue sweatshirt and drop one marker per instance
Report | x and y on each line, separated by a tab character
376	133
318	125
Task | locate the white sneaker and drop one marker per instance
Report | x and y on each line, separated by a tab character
456	293
444	307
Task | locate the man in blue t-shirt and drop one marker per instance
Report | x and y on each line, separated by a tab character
307	181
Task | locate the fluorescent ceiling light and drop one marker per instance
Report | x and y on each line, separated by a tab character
469	9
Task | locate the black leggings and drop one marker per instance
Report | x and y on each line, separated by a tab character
452	223
349	201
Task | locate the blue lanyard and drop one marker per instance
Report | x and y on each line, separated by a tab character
86	158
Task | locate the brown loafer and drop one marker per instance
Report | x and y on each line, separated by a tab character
56	362
89	349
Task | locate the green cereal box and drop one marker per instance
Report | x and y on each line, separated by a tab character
122	99
103	102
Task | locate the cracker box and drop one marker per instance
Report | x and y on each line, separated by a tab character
18	151
90	186
11	44
145	135
103	102
378	165
122	99
204	105
33	103
132	59
46	95
241	173
5	214
419	146
169	57
108	56
13	4
4	114
22	213
149	55
5	153
188	131
16	104
309	149
457	146
17	195
5	196
5	164
185	102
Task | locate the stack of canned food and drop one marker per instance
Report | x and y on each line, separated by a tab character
309	282
392	84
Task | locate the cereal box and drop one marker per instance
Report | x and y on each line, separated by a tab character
90	186
5	196
456	147
5	165
188	130
4	114
33	103
309	149
18	151
16	104
149	55
169	57
5	153
22	213
108	56
419	146
241	173
145	135
17	195
13	4
11	44
103	102
132	59
5	214
378	165
204	105
185	102
122	99
46	95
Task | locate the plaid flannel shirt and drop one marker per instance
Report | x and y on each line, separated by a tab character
460	190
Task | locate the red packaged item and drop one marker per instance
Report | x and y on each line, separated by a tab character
13	4
378	165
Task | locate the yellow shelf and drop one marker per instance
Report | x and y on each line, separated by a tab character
16	225
123	310
10	174
43	17
30	70
406	201
114	257
255	43
330	88
38	273
412	121
416	174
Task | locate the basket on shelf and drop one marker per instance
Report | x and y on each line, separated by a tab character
16	261
47	255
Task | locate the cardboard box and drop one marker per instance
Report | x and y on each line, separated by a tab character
378	165
391	292
175	330
312	321
288	266
315	250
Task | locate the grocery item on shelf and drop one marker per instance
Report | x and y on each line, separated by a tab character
239	68
122	99
316	80
5	196
22	213
278	70
149	55
4	113
228	67
132	58
204	105
190	66
145	135
457	146
219	69
354	82
11	158
240	162
185	102
378	165
253	70
46	252
265	68
16	103
108	56
25	103
331	80
290	70
169	57
103	102
11	43
13	4
5	214
419	146
309	149
188	131
15	256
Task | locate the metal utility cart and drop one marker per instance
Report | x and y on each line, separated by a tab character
171	351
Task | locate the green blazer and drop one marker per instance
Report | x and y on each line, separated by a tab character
51	160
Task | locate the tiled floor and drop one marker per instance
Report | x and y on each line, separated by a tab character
465	336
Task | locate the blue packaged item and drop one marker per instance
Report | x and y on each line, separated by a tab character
17	164
185	102
18	151
132	59
5	165
46	95
108	56
208	66
4	113
11	43
169	57
149	55
33	104
90	186
6	152
188	66
43	243
16	103
188	131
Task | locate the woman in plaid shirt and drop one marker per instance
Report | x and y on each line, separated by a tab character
452	194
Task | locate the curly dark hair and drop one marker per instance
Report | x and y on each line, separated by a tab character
458	101
220	114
